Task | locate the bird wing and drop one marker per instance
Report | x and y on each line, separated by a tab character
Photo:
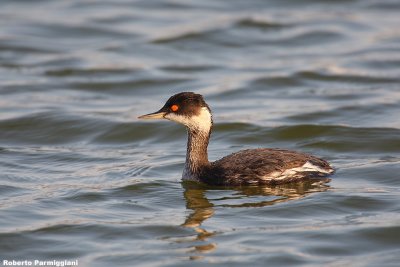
264	165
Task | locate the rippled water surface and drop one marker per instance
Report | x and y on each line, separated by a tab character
82	179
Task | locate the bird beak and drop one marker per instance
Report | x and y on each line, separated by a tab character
153	116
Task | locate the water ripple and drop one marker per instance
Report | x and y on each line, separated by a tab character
77	167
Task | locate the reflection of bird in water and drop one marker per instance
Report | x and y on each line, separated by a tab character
197	201
263	166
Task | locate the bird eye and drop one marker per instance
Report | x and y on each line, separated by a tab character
174	108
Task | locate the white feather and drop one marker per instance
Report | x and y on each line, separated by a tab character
201	122
290	173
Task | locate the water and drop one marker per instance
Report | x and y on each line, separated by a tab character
83	179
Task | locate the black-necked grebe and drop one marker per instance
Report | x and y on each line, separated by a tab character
262	166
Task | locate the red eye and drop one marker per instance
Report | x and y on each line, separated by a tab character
174	108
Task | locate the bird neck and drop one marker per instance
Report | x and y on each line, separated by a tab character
196	155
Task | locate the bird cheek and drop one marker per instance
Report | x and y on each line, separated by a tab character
172	117
177	118
168	116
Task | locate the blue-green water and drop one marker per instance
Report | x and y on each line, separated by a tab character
82	179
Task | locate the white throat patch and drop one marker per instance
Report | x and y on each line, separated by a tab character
201	122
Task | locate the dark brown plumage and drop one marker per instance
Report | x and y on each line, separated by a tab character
262	166
258	166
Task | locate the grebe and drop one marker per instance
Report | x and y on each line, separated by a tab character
262	166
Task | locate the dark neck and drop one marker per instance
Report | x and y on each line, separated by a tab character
196	155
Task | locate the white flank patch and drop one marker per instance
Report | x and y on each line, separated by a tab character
290	173
309	167
201	122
